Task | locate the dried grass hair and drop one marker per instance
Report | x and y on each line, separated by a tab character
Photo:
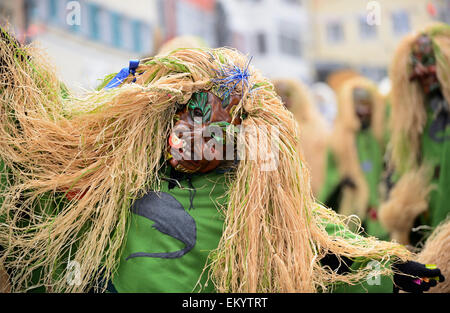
343	142
437	251
109	146
408	115
314	132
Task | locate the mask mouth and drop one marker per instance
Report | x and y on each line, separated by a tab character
365	123
192	151
364	116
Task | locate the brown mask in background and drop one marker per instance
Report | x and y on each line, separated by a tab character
363	106
195	144
424	64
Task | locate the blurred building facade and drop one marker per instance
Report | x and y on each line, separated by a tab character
304	39
274	32
85	39
14	14
362	35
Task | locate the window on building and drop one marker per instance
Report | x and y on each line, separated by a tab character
444	12
289	39
93	17
261	43
289	45
53	10
221	29
366	31
335	32
116	29
137	37
296	2
146	32
400	22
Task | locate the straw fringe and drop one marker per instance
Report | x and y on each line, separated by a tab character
437	251
407	200
314	133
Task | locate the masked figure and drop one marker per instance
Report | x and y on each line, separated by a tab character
102	192
313	128
355	158
420	142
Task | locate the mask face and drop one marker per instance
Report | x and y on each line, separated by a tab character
363	106
424	64
198	140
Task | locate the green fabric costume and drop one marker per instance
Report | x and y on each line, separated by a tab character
437	155
370	155
180	274
147	273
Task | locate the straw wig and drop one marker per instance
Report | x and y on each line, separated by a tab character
314	131
108	147
437	251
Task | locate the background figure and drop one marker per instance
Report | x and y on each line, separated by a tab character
314	132
420	134
355	157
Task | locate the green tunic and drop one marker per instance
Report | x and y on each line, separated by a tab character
181	273
371	159
158	255
437	155
373	283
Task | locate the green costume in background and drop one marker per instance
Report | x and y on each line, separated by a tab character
420	150
437	155
371	161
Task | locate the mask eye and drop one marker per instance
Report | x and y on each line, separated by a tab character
226	101
197	112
